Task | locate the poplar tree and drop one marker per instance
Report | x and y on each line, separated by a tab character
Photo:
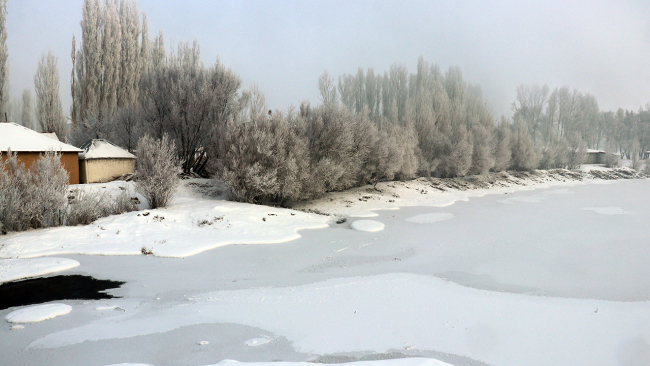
28	109
111	56
48	102
4	62
130	57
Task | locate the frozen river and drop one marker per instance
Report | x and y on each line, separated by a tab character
549	276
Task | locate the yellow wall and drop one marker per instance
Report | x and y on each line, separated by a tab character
69	160
104	170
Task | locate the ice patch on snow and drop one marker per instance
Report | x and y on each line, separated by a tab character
430	218
257	342
367	225
16	269
607	210
38	313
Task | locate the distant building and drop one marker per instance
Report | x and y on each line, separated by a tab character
102	161
594	156
601	157
29	145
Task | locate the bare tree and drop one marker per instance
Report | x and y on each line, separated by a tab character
48	103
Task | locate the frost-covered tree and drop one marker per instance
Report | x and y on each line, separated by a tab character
89	60
130	54
49	112
182	97
4	60
327	89
157	169
27	118
112	39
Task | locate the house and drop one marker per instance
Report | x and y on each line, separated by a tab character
102	161
29	145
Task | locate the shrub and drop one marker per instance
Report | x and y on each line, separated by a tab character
32	198
84	207
157	169
37	197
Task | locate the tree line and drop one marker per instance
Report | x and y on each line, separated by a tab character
368	126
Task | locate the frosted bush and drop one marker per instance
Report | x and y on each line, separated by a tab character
85	207
32	198
157	170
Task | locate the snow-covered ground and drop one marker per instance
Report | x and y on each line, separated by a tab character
505	275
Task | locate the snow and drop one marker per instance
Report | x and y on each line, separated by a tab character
394	362
254	342
102	149
129	364
367	225
191	225
16	269
38	313
366	202
430	218
22	139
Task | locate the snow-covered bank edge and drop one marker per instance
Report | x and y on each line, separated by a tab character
18	269
440	192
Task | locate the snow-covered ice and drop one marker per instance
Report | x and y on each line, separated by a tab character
394	362
15	269
538	281
38	313
608	210
430	218
367	225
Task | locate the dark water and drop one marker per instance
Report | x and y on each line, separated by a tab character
41	290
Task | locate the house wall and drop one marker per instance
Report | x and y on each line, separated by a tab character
69	160
592	158
104	170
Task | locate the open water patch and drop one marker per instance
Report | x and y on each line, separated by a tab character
42	290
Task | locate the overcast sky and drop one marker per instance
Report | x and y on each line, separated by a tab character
597	46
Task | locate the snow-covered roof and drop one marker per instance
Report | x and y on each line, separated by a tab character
102	149
51	135
22	139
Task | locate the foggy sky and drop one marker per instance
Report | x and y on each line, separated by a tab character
600	47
